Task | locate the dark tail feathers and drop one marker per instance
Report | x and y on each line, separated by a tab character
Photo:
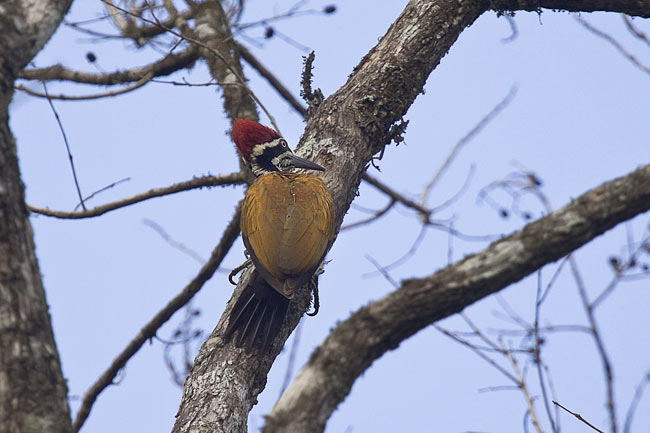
257	315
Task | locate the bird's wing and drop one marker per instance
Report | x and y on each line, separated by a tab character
308	226
287	226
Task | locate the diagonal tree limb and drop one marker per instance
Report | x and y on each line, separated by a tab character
381	326
349	128
149	330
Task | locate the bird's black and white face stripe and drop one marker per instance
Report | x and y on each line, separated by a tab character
272	156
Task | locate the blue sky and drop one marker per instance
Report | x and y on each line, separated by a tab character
579	118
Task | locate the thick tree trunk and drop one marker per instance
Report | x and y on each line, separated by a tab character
33	392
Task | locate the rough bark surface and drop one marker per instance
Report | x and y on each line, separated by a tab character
344	133
213	29
33	392
381	326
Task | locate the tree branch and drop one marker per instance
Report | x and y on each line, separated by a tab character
640	8
343	135
381	326
199	182
273	81
213	30
149	330
165	66
144	80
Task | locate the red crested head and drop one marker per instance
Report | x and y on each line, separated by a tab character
247	134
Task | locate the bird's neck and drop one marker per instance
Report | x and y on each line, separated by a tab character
258	170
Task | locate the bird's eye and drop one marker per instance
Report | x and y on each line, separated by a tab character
283	144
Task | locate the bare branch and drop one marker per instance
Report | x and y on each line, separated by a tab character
424	212
577	415
382	325
635	31
381	212
173	242
466	139
521	383
100	190
165	66
149	330
638	393
479	352
313	97
67	146
620	272
273	81
199	182
144	80
616	44
382	270
600	345
629	7
539	364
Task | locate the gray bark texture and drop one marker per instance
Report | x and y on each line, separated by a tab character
343	134
381	326
33	392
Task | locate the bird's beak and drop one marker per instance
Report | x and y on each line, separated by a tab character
298	162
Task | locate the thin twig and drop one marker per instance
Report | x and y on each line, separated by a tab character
100	190
289	40
635	31
172	242
607	367
67	145
486	358
638	393
577	415
313	97
514	31
466	139
144	80
451	200
522	385
378	214
479	334
424	212
273	81
292	12
149	330
382	270
552	328
199	182
539	364
551	283
616	44
414	247
618	276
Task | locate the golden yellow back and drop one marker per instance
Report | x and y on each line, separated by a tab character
288	222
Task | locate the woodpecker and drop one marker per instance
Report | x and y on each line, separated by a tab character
287	224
